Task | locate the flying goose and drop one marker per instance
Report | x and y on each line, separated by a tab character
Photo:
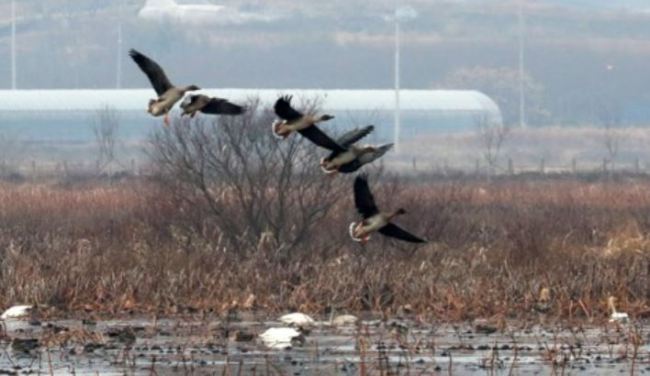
348	157
293	120
373	219
168	94
214	106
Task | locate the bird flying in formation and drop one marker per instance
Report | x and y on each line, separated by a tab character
295	121
375	220
169	95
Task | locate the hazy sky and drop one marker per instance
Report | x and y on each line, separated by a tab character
579	52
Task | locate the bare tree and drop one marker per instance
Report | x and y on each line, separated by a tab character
12	152
609	114
253	186
105	127
611	141
491	136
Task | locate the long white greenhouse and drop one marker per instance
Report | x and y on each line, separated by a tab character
67	114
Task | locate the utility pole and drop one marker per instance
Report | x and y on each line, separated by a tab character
118	69
398	119
401	14
13	44
118	73
522	71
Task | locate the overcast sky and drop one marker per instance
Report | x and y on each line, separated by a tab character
578	51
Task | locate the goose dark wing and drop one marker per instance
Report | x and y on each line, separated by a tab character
349	138
318	137
376	154
394	231
284	110
363	199
154	72
218	106
364	159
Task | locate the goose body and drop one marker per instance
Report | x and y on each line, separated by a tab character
281	338
297	319
17	312
343	158
284	128
371	224
373	219
157	107
295	121
168	94
360	231
209	105
347	157
162	105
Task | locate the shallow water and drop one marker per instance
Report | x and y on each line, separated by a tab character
206	346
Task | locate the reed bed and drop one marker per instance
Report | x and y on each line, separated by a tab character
132	247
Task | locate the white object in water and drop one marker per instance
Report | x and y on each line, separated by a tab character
280	338
619	317
17	312
297	319
344	320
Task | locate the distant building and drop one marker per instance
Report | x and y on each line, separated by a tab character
66	114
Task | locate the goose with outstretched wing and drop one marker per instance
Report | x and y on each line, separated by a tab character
373	219
168	94
295	121
209	105
353	156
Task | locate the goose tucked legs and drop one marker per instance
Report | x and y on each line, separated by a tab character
357	235
279	130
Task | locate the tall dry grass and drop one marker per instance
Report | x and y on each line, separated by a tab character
132	246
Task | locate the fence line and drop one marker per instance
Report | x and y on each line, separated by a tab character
507	166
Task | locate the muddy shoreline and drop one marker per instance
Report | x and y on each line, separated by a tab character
399	346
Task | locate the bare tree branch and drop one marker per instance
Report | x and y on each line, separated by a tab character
491	136
252	184
106	126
